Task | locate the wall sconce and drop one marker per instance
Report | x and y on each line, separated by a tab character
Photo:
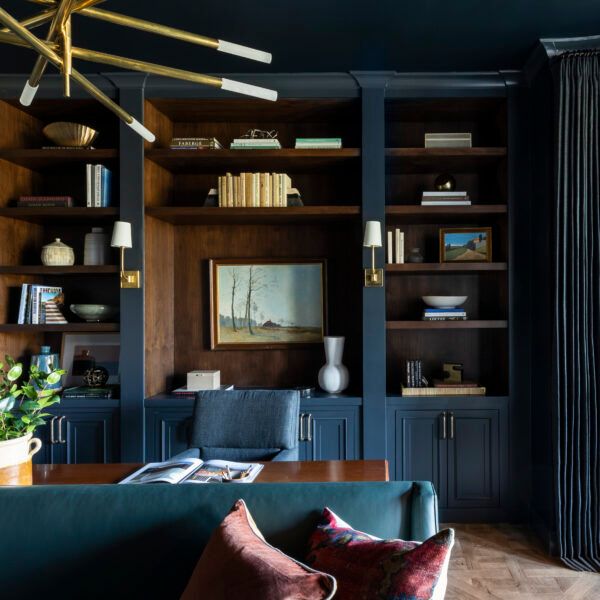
372	239
121	238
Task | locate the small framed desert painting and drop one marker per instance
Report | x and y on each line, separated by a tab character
466	244
267	303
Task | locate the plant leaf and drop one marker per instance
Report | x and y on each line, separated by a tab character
53	378
7	403
15	372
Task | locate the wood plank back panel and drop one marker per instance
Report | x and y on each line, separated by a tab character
339	244
159	292
19	129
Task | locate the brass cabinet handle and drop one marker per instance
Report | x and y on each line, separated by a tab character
451	426
60	437
52	438
444	429
309	428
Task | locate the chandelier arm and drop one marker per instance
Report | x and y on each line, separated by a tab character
40	47
47	15
147	67
178	34
65	34
31	85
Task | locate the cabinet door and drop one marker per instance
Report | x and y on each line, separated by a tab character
334	434
167	433
89	436
49	453
474	459
416	450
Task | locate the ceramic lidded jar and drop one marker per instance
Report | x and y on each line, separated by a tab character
57	254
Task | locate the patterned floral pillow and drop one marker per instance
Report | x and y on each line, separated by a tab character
368	568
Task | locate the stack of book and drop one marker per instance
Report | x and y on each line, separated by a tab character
39	305
98	180
254	190
84	391
395	246
441	389
195	143
45	201
448	140
445	199
318	143
255	144
414	374
444	314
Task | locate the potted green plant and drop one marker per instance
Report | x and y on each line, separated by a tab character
23	405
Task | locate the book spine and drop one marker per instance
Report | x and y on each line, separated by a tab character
220	190
88	185
97	186
229	183
390	247
106	187
419	374
35	304
23	304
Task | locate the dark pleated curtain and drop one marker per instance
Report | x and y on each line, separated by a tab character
577	312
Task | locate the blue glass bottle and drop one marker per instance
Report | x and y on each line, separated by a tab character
47	361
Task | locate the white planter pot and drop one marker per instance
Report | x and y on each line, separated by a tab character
19	450
333	376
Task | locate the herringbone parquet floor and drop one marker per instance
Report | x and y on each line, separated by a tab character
506	562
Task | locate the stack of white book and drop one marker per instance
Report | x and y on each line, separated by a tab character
255	144
445	199
395	246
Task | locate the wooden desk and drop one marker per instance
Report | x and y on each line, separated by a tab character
274	472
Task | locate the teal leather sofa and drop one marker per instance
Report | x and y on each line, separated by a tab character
143	541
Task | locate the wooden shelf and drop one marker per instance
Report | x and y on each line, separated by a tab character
38	158
455	160
199	215
432	268
66	328
444	214
469	324
67	215
73	270
288	160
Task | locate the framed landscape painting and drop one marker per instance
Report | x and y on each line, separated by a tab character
466	244
267	303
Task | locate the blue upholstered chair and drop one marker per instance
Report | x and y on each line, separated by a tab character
245	425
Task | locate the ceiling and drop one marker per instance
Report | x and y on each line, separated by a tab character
333	35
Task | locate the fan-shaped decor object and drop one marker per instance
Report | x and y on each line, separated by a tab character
72	135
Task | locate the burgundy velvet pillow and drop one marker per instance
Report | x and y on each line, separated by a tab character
238	563
367	567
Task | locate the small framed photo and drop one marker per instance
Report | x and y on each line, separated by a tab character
82	351
267	303
467	244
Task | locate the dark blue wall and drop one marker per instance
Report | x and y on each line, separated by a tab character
336	35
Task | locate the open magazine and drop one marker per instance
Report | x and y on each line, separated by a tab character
195	470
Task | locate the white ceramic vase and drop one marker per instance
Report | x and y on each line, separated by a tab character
333	375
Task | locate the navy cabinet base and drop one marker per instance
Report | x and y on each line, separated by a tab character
460	444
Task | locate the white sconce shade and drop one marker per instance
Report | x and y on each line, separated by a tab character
372	237
121	237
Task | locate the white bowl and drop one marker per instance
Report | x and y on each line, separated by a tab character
444	301
94	313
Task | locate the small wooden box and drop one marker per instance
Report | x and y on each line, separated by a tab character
203	380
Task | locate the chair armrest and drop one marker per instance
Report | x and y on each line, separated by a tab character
189	453
424	511
286	454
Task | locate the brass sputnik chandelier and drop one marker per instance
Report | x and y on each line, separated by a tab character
57	49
